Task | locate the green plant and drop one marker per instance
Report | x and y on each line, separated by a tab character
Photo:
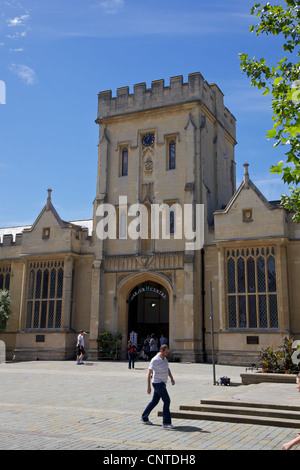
107	336
268	360
279	360
108	344
5	310
171	358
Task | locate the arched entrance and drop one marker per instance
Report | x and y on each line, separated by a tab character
123	295
148	310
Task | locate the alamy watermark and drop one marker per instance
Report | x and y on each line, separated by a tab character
161	221
2	92
296	353
2	352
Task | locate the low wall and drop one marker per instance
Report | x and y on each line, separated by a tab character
249	378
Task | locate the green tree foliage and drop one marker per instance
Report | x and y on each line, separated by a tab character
282	81
4	307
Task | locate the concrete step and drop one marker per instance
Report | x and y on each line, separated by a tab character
271	406
238	412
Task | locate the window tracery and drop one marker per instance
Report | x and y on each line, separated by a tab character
45	292
251	288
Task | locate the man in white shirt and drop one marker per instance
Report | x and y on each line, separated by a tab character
80	347
159	370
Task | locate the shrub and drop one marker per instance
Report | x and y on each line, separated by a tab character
4	307
108	346
107	336
280	360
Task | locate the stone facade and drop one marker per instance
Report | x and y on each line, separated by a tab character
163	145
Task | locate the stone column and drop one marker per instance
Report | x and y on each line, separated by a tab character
188	320
23	309
220	287
282	287
95	310
188	333
67	292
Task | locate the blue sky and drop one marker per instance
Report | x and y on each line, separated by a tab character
56	55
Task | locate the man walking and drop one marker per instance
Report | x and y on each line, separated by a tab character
80	347
159	370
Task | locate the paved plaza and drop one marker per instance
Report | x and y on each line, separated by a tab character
97	406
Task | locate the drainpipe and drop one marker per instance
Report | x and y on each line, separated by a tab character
203	305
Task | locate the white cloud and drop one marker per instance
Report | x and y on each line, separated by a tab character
27	74
18	20
16	35
111	6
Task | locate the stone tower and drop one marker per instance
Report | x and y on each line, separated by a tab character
164	145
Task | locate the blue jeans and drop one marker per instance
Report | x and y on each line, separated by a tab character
160	392
131	360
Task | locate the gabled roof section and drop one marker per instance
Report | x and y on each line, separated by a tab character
48	207
247	184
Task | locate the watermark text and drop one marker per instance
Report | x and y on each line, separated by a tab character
156	222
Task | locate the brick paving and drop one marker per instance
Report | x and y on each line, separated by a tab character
97	406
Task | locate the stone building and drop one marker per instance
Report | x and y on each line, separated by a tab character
170	149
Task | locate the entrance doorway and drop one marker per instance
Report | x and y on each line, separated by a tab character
148	310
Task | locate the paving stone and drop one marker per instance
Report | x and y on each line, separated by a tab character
56	405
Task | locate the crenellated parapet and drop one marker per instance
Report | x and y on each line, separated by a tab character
81	231
195	90
11	237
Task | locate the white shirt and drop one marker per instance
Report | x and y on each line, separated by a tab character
160	368
81	339
153	345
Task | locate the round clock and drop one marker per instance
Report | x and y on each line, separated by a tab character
148	139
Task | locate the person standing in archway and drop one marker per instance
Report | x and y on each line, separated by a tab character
146	348
153	346
132	350
163	340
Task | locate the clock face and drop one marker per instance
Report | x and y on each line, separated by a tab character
148	139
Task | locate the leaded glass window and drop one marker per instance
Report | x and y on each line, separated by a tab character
5	272
172	155
124	169
251	288
45	291
5	277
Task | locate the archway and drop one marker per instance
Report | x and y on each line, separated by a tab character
129	284
148	310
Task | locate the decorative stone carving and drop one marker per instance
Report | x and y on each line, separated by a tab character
148	163
144	261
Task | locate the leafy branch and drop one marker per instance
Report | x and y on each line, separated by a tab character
281	81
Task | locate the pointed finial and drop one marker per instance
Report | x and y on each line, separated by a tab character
49	196
246	175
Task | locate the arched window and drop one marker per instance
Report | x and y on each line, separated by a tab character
4	277
172	222
45	292
4	285
124	163
172	155
251	288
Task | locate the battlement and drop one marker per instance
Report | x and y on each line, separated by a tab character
159	95
13	236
